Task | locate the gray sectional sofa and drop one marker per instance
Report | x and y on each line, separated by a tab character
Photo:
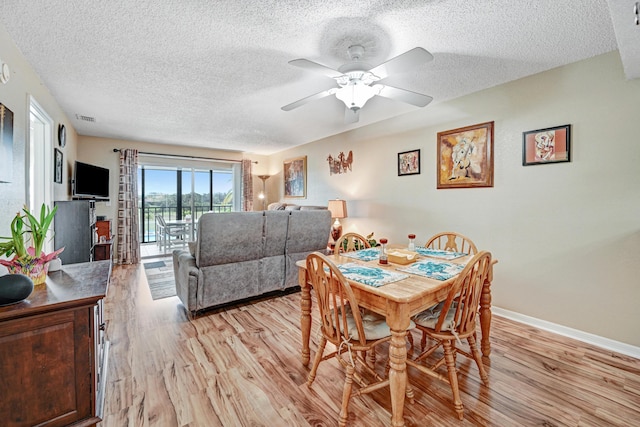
277	206
240	255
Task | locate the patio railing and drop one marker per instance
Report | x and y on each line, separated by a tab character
170	213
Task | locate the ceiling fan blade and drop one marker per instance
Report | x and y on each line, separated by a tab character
303	101
351	116
413	98
403	62
318	68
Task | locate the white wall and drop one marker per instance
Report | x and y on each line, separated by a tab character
15	95
567	235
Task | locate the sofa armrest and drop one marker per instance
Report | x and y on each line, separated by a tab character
186	275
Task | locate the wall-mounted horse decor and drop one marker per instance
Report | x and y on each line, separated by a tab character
340	164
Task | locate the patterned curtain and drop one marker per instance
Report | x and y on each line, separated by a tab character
128	240
247	185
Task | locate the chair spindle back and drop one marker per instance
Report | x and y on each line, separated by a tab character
335	299
465	295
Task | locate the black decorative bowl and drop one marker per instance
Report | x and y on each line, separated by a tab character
14	288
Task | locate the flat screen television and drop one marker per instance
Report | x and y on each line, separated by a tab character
90	181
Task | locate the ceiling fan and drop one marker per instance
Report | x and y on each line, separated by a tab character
357	81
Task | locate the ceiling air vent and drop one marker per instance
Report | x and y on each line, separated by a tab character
85	118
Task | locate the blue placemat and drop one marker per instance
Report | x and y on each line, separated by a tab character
364	254
439	253
439	270
372	276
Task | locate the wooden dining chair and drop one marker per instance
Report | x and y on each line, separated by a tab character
344	326
452	241
452	321
350	242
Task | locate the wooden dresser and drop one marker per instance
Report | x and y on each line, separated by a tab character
53	357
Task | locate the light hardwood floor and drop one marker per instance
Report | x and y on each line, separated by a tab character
241	367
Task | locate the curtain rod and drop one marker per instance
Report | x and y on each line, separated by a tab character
176	156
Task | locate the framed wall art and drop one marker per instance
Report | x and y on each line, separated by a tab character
341	163
295	177
409	163
465	157
6	143
550	145
57	167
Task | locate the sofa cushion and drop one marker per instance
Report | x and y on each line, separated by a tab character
272	271
374	325
305	238
312	208
272	265
308	232
429	317
292	208
276	224
229	237
228	282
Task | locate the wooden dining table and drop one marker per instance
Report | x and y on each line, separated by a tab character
398	302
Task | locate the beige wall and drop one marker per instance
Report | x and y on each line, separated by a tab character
567	235
15	95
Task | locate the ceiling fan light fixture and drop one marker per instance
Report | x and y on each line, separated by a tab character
356	94
357	81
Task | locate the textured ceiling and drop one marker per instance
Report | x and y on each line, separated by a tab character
215	74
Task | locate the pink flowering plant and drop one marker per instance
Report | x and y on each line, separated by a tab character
25	229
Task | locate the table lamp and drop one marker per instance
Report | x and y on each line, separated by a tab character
338	210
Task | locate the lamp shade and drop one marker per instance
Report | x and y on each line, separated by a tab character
338	208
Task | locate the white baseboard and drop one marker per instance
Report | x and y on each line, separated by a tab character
617	346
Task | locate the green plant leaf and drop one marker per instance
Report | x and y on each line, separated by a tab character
20	230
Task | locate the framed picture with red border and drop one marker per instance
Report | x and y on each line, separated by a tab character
550	145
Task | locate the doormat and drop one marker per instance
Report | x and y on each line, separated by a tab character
156	264
160	278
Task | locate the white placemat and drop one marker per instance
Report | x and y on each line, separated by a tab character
372	276
368	254
434	269
439	253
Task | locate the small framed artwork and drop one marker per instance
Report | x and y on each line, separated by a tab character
295	177
550	145
57	167
6	143
409	163
465	157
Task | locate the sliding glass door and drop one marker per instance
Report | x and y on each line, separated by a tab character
182	193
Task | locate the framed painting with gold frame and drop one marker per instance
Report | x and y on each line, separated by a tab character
465	157
295	177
